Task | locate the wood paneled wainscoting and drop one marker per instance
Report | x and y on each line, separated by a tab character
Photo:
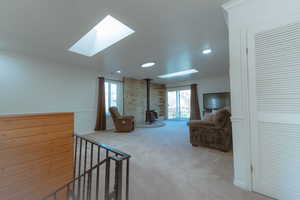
36	154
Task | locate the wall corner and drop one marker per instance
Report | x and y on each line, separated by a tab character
231	4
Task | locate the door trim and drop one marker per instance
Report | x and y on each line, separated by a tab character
252	105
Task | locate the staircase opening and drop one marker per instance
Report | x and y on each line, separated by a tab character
100	172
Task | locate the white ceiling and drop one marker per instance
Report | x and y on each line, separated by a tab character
171	33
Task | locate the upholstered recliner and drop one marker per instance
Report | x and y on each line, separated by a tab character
122	123
214	132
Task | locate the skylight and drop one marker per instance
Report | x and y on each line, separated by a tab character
181	73
106	33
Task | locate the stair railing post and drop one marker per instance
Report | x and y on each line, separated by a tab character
127	179
118	179
107	177
89	185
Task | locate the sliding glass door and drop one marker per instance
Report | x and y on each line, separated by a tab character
184	104
179	104
172	105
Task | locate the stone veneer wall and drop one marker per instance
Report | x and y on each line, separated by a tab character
135	100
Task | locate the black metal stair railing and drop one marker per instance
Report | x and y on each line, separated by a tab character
99	173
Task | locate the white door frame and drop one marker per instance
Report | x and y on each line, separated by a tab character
252	105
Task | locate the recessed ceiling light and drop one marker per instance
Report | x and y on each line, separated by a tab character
181	73
118	72
106	33
207	51
149	64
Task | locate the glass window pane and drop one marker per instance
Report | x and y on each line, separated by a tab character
107	105
172	104
113	93
184	99
179	104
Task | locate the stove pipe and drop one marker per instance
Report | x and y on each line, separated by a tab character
148	94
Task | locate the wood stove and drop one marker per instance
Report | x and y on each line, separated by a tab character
151	115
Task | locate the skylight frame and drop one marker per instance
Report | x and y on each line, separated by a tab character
105	34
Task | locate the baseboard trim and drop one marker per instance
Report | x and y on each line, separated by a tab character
242	184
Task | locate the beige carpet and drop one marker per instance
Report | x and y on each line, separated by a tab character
164	166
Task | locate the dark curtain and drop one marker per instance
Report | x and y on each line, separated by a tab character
101	115
195	110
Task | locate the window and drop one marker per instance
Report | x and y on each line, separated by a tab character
179	104
113	95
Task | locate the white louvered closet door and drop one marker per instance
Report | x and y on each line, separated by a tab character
274	82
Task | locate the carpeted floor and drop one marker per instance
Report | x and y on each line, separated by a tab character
164	166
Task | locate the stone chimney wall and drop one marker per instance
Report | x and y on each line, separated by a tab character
135	98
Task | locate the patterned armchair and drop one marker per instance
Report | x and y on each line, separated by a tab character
122	123
214	132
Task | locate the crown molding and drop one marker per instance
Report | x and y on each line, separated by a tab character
231	4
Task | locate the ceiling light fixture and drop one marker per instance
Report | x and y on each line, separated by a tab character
181	73
207	51
106	33
150	64
118	72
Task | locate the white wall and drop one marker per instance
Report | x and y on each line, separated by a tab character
205	85
33	85
245	15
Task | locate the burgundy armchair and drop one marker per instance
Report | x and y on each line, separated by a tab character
122	123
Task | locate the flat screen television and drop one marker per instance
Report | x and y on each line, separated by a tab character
215	101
